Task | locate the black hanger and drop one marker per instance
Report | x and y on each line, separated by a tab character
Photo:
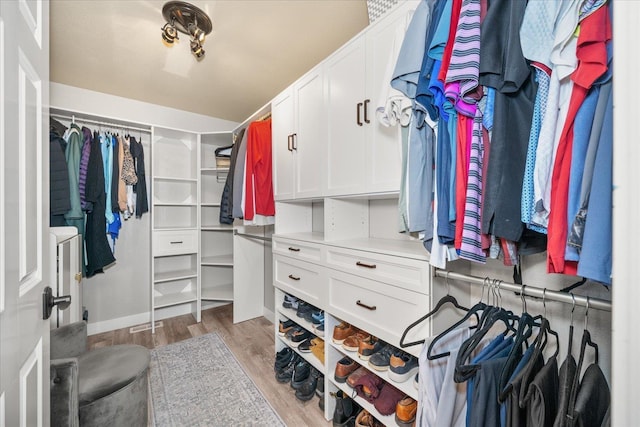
448	298
480	306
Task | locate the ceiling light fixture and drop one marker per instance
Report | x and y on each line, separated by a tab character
188	19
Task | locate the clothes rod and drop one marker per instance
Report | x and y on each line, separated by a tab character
251	236
532	291
99	123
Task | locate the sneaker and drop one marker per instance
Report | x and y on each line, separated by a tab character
341	332
285	326
319	329
305	346
299	336
320	387
317	317
283	357
368	347
352	343
296	329
406	412
380	360
290	302
308	316
402	366
301	372
344	368
285	374
308	389
416	381
304	309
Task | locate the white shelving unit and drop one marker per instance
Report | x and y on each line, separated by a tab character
216	239
175	221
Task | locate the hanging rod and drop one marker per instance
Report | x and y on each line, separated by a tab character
532	291
97	122
251	236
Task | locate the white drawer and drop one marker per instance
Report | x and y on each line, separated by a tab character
380	309
407	273
175	242
301	279
297	249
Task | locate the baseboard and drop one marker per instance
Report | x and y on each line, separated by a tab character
269	315
94	328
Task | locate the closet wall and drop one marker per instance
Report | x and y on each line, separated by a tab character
121	296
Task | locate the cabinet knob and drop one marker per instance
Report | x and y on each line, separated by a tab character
358	120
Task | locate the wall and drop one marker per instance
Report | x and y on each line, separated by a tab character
120	297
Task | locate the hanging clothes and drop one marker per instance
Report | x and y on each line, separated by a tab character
84	166
259	204
238	178
115	173
226	202
99	254
75	216
59	195
122	187
140	187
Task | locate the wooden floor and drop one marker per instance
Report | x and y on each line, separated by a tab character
252	342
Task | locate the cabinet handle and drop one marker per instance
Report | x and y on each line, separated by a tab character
292	277
366	102
294	141
177	242
358	120
290	142
294	249
368	307
362	264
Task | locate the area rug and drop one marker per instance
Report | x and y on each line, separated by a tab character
199	382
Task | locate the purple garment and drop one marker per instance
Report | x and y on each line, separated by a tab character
84	165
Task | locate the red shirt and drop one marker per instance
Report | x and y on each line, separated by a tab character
258	171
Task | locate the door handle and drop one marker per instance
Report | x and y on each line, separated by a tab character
289	142
49	301
358	120
294	141
366	103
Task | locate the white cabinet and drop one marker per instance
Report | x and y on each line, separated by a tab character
174	216
299	135
363	156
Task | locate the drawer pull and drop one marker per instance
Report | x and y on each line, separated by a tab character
292	277
177	242
368	307
362	264
294	249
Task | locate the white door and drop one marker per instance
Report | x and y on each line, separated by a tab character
282	129
24	211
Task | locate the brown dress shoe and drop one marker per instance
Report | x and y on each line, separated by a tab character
344	368
406	412
365	419
341	332
352	342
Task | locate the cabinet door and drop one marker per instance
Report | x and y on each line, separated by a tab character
282	115
346	142
383	143
310	135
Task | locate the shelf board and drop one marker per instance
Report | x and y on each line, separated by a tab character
210	205
168	300
309	357
174	276
206	170
174	204
217	293
173	178
174	228
406	387
217	261
221	227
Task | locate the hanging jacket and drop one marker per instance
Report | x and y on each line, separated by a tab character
59	197
84	165
115	173
226	203
75	216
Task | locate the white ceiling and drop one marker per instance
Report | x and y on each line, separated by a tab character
256	49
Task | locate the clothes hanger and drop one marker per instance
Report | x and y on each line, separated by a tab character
480	306
447	299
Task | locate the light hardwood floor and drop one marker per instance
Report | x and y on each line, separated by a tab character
252	342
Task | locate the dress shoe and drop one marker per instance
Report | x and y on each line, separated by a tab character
344	368
406	412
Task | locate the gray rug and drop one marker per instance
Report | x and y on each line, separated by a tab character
199	382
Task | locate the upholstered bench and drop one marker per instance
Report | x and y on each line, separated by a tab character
102	387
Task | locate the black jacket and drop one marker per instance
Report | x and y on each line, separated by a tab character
59	195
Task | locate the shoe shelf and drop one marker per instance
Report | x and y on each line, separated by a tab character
309	357
387	420
292	315
406	387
